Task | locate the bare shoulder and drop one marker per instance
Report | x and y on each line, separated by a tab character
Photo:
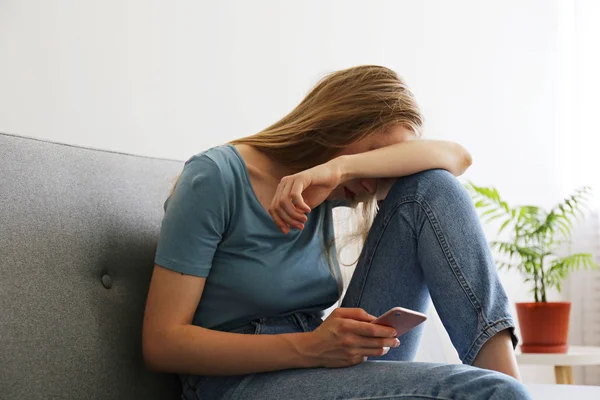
257	164
259	167
255	161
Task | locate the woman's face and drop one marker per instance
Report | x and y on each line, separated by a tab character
361	189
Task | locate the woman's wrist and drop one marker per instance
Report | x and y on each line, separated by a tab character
344	166
301	343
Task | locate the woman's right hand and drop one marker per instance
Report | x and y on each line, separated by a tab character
346	338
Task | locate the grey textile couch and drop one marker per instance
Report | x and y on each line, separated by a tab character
78	230
77	238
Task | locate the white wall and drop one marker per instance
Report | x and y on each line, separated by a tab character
172	78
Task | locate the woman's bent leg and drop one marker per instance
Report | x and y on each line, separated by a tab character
427	239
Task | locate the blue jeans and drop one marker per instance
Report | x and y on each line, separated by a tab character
426	241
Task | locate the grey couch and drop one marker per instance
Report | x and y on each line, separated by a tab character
78	229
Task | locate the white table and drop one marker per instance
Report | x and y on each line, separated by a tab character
563	363
562	392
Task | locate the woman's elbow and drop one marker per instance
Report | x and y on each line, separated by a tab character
462	160
155	351
151	358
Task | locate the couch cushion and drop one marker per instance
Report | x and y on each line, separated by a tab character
78	229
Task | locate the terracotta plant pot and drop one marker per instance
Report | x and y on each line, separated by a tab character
544	326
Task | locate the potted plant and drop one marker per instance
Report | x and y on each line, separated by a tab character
536	236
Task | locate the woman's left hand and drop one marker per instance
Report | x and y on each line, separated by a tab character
297	194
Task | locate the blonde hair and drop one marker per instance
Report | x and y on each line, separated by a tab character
344	107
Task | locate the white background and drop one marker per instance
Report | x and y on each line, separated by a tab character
172	78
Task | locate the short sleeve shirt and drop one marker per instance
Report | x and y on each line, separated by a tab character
215	227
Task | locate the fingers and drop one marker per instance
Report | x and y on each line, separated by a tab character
357	314
285	213
370	342
285	210
361	353
368	329
374	352
274	211
288	221
283	227
297	199
290	214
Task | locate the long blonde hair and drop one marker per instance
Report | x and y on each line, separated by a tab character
344	107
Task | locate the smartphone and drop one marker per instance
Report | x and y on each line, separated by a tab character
401	319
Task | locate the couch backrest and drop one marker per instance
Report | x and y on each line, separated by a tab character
78	230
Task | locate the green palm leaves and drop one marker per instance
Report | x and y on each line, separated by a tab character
535	236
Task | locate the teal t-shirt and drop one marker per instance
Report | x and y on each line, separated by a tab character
215	227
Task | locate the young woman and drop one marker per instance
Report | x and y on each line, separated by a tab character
246	263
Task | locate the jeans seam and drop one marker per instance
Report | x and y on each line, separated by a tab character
187	388
487	333
422	203
369	256
237	393
299	322
415	198
443	242
258	324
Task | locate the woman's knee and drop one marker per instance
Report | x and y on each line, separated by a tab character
506	388
485	384
428	184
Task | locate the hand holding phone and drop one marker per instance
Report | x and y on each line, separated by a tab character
401	319
346	337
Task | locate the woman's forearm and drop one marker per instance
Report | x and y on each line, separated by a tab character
194	350
405	158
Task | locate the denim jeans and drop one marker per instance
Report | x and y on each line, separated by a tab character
426	242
